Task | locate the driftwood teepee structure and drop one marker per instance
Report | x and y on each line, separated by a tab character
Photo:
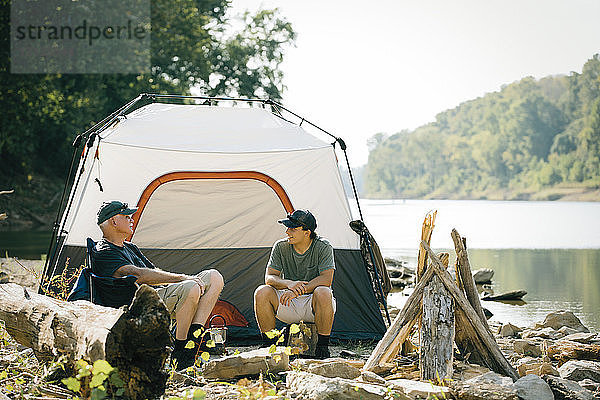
456	312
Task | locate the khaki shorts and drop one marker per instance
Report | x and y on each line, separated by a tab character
300	309
174	294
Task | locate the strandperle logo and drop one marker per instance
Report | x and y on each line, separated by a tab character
84	31
83	36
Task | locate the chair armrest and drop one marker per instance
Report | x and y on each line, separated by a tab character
122	281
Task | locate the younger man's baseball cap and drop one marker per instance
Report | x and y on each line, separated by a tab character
112	208
300	218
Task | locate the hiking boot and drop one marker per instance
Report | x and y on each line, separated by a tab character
184	358
322	352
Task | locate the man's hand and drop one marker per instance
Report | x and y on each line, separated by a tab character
287	297
297	287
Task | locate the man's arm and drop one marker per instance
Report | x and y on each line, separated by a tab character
273	278
325	278
154	276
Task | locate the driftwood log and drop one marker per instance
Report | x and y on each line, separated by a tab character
388	346
513	295
465	336
436	354
565	350
463	270
399	330
494	358
133	339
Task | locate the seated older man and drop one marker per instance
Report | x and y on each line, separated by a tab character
189	298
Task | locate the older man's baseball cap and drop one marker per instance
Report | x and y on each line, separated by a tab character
112	208
298	218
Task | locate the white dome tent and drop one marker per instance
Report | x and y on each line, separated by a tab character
210	183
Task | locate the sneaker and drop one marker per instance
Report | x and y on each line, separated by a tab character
322	352
184	358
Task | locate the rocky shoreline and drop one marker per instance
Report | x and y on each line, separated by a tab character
557	358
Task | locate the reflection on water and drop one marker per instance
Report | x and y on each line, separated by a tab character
554	280
29	245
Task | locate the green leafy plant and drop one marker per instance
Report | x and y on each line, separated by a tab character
95	381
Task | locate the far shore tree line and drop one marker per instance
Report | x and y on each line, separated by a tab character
531	135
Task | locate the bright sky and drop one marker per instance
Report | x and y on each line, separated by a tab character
363	67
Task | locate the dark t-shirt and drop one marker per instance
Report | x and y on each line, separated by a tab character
107	258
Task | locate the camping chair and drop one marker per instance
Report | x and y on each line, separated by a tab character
98	289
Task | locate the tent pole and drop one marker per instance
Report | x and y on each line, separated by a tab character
76	145
56	251
367	234
53	248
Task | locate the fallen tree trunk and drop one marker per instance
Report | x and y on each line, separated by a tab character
133	339
508	296
565	350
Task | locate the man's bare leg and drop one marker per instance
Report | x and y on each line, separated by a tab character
209	298
265	307
185	314
322	304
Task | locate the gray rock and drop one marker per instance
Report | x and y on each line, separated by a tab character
482	391
247	363
392	262
372	377
543	333
566	389
526	348
416	389
527	360
483	275
491	377
581	337
577	370
529	365
509	329
565	330
313	387
335	369
589	384
558	319
532	387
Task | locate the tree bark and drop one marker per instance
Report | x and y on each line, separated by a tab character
389	345
463	270
437	332
497	362
133	339
565	350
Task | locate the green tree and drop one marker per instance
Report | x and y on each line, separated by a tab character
191	48
531	134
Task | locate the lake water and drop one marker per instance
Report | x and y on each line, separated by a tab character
550	249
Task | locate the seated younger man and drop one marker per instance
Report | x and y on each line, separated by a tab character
298	281
189	298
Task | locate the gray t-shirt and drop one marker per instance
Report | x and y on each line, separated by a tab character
302	267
